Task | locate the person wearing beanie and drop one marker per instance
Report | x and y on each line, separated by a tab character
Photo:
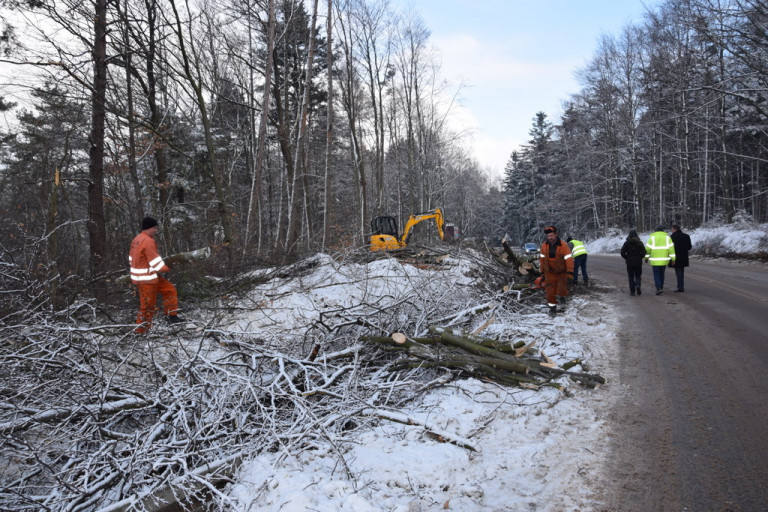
682	243
579	252
659	252
633	252
148	222
556	263
146	265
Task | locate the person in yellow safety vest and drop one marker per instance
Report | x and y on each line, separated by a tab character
659	252
579	251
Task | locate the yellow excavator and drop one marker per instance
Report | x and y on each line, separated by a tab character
384	229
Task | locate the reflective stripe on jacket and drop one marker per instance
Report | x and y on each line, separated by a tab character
144	259
579	249
561	263
659	249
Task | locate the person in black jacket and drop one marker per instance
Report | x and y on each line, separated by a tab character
682	245
633	252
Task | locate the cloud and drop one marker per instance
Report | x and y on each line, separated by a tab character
501	91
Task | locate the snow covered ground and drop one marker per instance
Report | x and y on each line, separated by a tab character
714	240
534	450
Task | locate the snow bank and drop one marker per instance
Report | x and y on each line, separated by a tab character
537	449
732	239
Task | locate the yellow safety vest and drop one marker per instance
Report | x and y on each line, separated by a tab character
578	248
659	249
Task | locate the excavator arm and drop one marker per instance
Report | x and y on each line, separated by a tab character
385	230
436	214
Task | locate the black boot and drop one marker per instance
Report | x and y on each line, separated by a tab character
552	310
174	319
638	290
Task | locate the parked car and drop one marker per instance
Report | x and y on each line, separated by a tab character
530	248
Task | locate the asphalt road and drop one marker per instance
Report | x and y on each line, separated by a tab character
690	420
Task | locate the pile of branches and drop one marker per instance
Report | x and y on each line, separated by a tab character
91	419
484	358
96	418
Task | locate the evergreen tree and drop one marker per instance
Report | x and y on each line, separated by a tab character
528	182
42	182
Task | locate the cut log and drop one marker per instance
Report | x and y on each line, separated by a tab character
481	358
510	255
399	338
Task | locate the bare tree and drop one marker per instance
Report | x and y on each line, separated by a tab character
373	43
193	74
328	210
350	97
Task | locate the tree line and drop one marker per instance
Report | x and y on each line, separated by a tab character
669	126
270	129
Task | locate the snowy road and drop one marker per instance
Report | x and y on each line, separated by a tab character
691	415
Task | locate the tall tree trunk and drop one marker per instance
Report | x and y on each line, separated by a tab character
298	190
53	237
350	101
156	116
254	206
97	230
132	170
327	184
280	98
195	83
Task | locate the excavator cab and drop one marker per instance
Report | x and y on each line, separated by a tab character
385	235
384	225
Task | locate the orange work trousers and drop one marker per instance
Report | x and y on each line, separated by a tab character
555	285
148	293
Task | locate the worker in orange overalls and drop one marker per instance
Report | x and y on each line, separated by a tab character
556	262
145	264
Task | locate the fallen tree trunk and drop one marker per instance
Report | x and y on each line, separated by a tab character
175	259
186	257
481	358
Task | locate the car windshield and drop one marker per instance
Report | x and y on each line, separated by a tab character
530	246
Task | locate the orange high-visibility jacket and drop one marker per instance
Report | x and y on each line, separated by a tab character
144	260
561	263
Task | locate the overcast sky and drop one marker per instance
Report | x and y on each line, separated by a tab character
515	58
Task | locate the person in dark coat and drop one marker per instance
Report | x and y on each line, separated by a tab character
682	245
633	252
